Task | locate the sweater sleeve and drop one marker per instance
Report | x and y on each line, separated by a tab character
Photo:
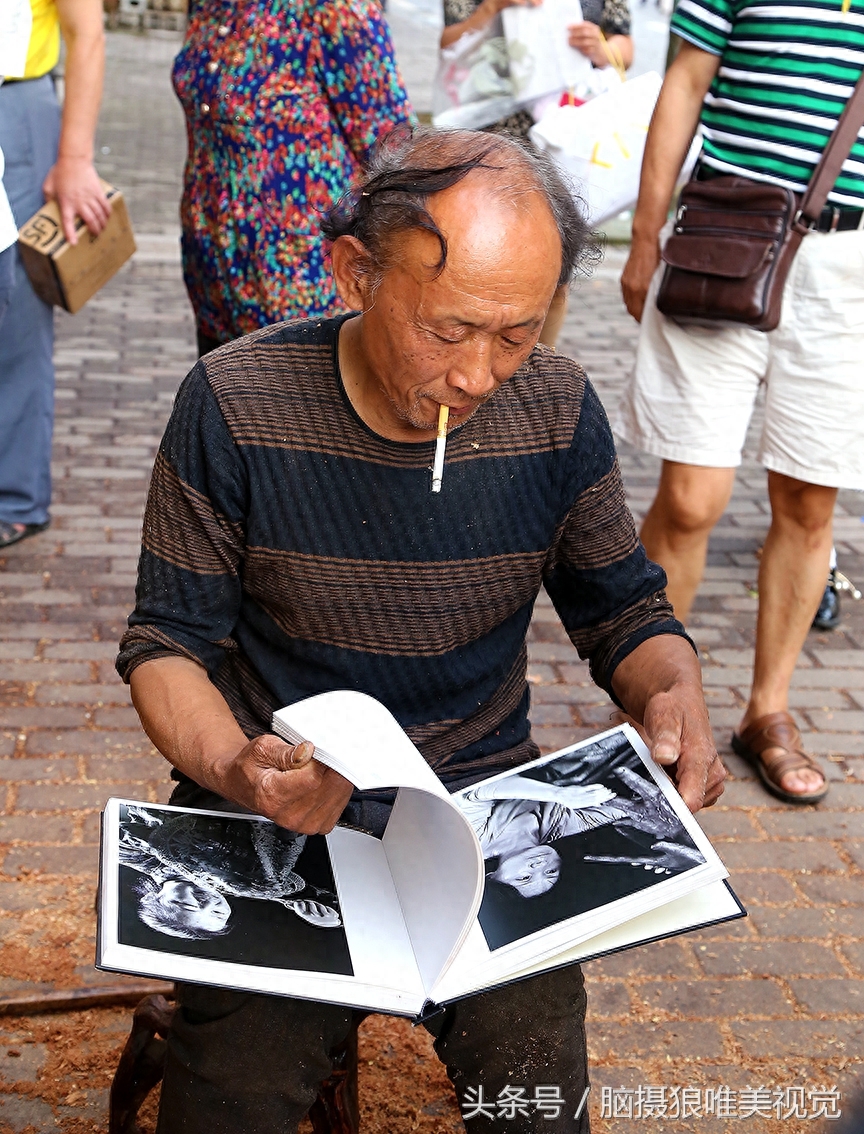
188	595
608	593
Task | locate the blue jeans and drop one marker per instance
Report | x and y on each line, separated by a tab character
29	135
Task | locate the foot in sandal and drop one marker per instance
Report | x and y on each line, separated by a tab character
772	745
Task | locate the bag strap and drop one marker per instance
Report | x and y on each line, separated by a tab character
835	153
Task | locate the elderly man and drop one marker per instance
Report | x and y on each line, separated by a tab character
292	545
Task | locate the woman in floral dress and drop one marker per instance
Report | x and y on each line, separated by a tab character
284	100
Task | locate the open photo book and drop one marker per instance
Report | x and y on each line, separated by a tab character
575	855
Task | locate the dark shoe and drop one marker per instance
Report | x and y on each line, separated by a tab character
777	731
9	534
828	614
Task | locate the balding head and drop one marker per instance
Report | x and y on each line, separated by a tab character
410	168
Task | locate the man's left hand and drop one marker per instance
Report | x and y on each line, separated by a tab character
74	184
678	732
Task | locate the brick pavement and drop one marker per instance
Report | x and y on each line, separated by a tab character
776	1000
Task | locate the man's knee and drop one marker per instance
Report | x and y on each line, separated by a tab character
690	499
809	507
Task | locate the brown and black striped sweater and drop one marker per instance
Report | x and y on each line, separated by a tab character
291	551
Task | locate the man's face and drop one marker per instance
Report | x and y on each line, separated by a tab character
194	906
530	872
454	338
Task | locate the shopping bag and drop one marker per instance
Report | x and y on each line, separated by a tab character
472	87
541	59
518	58
600	144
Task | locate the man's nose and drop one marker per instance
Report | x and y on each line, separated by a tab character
473	373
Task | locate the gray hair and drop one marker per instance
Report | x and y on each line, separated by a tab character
408	167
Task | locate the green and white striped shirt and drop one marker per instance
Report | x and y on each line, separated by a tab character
786	72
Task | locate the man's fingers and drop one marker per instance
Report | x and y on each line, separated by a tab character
67	219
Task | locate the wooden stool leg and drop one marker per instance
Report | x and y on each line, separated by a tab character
337	1108
141	1065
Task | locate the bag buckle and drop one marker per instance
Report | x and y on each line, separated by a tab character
680	214
800	221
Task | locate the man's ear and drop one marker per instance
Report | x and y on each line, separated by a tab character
352	272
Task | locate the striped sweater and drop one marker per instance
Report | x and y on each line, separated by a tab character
786	72
290	550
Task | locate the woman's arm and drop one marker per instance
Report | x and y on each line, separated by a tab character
523	787
483	15
589	39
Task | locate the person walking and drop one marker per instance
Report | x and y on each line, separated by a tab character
283	103
47	155
766	86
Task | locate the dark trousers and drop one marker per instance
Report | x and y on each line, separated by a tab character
241	1062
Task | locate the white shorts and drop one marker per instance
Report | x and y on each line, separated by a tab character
694	387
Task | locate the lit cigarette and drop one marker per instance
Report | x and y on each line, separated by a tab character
440	445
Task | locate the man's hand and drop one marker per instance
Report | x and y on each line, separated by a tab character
679	737
636	277
74	184
285	783
660	685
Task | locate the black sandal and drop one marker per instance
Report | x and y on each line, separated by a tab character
10	534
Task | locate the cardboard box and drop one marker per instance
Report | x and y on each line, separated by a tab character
67	275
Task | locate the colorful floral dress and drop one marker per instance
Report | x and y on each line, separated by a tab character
284	100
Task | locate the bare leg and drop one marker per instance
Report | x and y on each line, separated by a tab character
690	500
791	581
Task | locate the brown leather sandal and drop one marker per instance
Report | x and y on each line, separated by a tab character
777	730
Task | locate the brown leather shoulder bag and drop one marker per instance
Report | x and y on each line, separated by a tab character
734	239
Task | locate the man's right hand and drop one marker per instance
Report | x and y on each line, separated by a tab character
636	277
283	782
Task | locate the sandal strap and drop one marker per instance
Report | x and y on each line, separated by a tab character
778	731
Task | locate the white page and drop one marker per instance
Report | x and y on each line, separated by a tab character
480	965
437	868
359	738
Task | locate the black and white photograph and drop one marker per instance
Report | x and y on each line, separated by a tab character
228	889
570	835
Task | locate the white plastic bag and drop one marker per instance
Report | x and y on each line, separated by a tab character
600	144
541	59
472	86
516	59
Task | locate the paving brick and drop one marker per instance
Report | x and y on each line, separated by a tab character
7	744
833	890
143	769
551	715
29	829
782	855
72	796
86	742
812	1039
721	823
608	999
681	1038
20	770
853	951
818	922
832	996
28	895
708	999
52	860
664	958
794	958
812	821
116	717
81	651
93	695
763	889
42	716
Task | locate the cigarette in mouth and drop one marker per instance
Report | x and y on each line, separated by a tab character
440	445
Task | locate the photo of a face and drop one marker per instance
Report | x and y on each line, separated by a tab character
228	888
569	836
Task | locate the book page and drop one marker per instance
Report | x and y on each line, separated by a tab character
233	900
574	844
437	869
358	737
